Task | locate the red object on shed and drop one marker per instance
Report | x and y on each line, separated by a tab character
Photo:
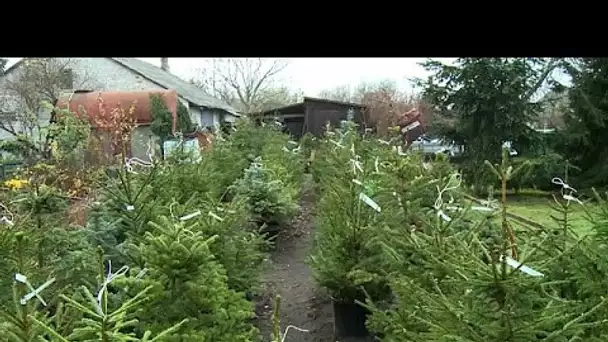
411	124
113	99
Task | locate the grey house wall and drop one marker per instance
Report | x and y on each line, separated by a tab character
10	103
211	117
103	74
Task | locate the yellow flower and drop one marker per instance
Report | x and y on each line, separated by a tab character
16	183
54	147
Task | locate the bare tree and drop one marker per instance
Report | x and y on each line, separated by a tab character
278	97
385	103
346	93
245	83
28	93
341	93
38	82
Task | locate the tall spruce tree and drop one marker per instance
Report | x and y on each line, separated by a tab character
483	102
587	141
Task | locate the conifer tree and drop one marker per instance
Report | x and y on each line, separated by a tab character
482	102
345	258
586	122
32	249
18	324
269	198
162	120
469	285
238	246
99	322
127	207
188	283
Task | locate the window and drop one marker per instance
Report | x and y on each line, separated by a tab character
67	79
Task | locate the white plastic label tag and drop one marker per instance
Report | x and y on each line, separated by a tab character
370	202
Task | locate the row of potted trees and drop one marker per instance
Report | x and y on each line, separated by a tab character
363	186
401	252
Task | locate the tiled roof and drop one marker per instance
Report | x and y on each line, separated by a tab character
166	79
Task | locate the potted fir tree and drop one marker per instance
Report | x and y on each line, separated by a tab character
344	260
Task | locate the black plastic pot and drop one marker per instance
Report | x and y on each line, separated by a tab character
270	231
271	234
349	319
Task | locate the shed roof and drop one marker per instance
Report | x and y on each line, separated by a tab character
299	105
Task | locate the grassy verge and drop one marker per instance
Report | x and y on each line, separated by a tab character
539	210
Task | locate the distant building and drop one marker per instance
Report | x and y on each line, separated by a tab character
313	114
123	74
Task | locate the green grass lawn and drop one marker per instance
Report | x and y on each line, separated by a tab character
539	210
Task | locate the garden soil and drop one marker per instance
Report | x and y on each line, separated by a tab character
302	304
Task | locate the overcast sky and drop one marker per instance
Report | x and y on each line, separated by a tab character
312	75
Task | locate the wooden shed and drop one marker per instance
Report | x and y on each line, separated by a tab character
312	115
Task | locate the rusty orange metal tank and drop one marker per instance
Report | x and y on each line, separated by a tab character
88	101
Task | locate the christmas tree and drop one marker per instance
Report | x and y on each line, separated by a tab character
187	282
488	282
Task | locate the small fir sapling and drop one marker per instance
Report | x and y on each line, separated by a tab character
187	282
100	322
43	203
238	247
38	244
579	271
126	208
227	163
232	155
284	158
67	271
201	177
18	324
268	197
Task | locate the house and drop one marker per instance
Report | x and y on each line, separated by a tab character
123	74
313	114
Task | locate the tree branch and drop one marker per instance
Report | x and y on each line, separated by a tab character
243	82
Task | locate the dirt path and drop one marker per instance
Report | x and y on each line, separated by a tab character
302	304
